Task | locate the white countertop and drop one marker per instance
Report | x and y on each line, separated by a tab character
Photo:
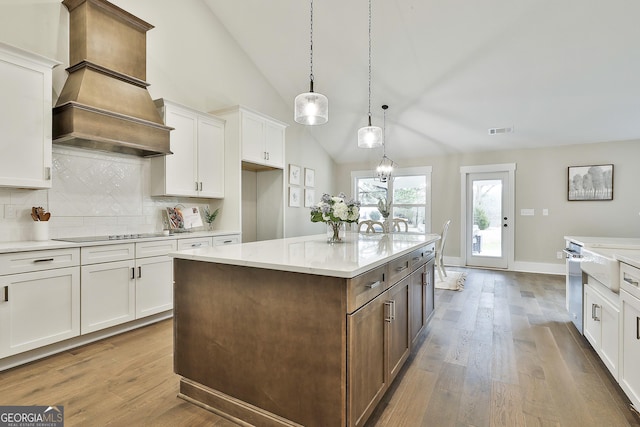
32	245
312	254
605	242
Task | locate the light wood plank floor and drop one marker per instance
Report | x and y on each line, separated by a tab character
500	353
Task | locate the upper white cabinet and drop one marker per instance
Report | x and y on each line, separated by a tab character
196	167
260	137
25	118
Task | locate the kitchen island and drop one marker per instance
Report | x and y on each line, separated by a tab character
298	331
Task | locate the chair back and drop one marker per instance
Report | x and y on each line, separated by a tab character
399	224
443	236
370	226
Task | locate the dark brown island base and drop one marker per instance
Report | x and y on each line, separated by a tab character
297	331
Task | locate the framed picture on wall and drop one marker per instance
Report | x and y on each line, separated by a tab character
309	177
591	182
294	197
294	174
309	197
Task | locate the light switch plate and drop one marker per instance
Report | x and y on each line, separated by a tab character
9	211
527	212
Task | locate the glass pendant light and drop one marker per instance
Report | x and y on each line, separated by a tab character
369	136
385	168
311	108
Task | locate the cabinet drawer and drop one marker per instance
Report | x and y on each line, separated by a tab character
155	248
23	262
421	256
107	253
630	279
365	287
194	243
399	268
226	240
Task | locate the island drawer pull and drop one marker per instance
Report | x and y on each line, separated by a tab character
374	284
629	280
404	267
416	258
43	260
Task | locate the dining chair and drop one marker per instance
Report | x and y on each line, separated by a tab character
370	226
440	251
398	224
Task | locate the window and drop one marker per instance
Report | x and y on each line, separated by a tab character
409	192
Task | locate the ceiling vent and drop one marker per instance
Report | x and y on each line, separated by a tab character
496	131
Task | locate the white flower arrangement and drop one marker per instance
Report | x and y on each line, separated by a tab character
335	209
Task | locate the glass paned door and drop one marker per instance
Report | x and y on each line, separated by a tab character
487	222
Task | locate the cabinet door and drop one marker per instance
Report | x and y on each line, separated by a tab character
210	157
629	377
274	144
25	119
366	358
37	309
592	327
399	343
181	166
417	301
429	291
609	338
252	137
154	285
108	295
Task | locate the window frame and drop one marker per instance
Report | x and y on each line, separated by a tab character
413	171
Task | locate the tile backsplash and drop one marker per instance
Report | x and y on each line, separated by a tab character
93	193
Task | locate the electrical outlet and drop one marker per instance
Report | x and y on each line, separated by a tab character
559	255
9	211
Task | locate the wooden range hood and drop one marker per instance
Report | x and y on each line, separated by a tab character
104	104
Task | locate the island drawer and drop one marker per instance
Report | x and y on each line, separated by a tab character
421	256
107	253
399	268
365	287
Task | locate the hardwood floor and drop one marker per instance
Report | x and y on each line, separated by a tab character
500	353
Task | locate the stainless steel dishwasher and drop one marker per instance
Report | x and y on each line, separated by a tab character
573	254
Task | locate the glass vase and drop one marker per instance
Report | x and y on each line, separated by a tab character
335	232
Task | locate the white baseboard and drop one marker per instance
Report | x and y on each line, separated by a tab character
521	266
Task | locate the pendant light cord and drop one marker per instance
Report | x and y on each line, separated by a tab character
311	47
369	62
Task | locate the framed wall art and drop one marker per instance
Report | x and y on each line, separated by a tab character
309	197
294	174
309	177
590	183
295	197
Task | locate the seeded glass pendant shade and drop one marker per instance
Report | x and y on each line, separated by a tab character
311	108
369	136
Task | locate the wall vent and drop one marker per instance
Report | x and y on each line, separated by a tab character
496	131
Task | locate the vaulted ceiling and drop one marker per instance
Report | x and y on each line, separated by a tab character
557	72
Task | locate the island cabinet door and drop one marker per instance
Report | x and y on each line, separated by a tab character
417	315
429	290
399	342
366	359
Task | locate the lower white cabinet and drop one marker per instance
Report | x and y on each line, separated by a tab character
601	323
125	282
629	378
38	308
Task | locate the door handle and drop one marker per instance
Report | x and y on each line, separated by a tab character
139	272
637	326
133	272
387	305
6	294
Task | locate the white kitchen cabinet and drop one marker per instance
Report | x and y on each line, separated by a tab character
25	118
227	239
261	138
38	308
196	167
601	323
629	377
154	277
194	243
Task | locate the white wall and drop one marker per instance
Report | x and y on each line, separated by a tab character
191	59
541	183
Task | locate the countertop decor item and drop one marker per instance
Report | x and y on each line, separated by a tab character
335	211
209	216
38	214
